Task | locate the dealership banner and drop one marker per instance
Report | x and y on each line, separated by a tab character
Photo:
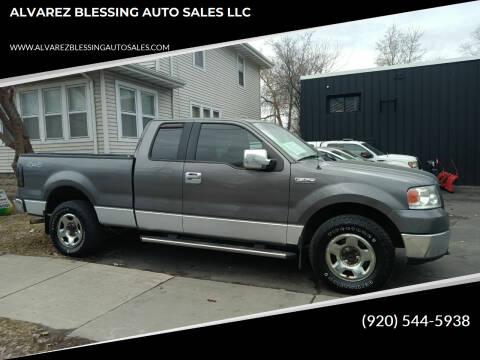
60	34
56	39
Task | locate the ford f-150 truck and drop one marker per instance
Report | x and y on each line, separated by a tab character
241	186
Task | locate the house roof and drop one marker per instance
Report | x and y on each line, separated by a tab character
148	75
253	54
391	67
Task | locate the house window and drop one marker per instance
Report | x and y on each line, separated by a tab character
195	111
136	108
199	59
77	111
30	113
343	103
56	113
52	112
4	130
241	70
203	111
148	108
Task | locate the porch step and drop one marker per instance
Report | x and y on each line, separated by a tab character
218	247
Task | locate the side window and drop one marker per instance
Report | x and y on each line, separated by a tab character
167	142
343	103
199	59
225	143
356	149
331	157
336	145
241	70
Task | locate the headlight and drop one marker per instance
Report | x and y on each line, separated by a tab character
424	197
413	164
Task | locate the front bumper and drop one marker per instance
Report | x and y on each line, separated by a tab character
426	246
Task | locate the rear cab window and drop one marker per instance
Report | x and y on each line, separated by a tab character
167	142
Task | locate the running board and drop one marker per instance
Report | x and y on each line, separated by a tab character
219	247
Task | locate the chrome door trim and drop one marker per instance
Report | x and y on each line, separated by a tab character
159	221
115	216
276	233
235	229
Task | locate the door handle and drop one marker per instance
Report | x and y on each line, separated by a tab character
193	178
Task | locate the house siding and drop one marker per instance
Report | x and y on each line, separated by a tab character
164	104
217	85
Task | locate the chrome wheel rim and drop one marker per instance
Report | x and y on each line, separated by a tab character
350	257
70	230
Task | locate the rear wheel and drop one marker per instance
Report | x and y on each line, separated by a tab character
74	228
352	254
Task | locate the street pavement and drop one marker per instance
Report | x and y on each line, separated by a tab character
105	302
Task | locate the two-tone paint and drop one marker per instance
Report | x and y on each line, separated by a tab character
227	202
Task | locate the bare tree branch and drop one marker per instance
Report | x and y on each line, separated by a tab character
472	47
17	138
294	56
7	142
398	47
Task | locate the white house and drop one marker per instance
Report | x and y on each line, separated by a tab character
104	111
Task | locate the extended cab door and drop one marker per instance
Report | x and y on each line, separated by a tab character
158	177
223	199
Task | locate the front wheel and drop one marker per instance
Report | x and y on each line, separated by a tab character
352	254
74	228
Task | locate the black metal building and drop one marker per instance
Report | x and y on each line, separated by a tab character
430	110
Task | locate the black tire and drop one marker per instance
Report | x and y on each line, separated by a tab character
365	236
87	237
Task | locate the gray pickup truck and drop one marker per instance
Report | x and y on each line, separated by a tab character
241	186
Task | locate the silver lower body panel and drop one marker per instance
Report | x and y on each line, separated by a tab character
235	229
34	207
115	216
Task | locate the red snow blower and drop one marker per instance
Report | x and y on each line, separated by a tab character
447	179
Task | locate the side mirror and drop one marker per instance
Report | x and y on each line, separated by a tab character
256	159
366	155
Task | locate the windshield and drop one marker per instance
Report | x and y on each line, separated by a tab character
373	149
288	142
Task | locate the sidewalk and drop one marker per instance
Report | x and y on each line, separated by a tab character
102	302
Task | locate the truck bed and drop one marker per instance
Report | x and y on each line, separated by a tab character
106	178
